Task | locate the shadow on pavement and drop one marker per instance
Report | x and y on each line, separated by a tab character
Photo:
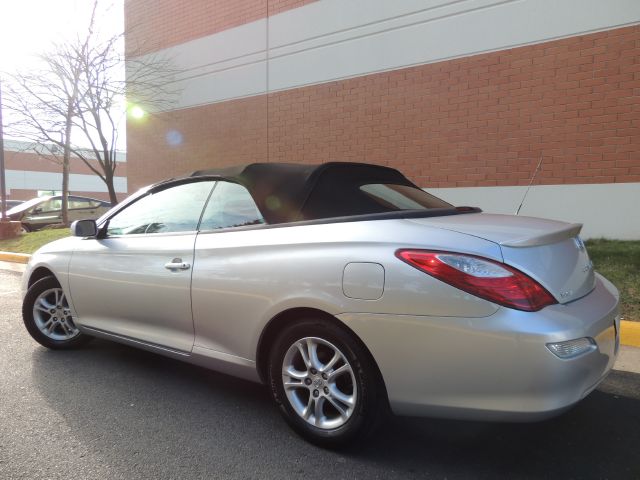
143	412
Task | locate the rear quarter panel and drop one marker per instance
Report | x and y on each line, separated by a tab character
244	278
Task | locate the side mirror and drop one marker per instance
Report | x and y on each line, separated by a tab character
84	228
37	210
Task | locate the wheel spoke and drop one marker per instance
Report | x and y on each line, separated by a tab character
343	398
293	385
290	372
339	371
303	354
331	363
42	308
306	413
65	328
62	300
338	407
43	302
317	411
46	326
312	347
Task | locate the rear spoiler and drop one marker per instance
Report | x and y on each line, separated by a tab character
568	231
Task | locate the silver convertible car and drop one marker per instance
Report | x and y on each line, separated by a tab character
345	288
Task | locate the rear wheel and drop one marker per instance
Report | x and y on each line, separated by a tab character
47	316
24	228
325	384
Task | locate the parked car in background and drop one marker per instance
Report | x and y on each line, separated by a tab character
345	288
39	212
13	203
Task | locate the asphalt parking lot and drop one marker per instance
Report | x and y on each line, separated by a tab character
109	411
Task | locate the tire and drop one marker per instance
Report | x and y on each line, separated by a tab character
350	392
47	316
24	228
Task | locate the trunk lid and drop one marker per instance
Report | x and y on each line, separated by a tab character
549	251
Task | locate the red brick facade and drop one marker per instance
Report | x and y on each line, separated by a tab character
475	121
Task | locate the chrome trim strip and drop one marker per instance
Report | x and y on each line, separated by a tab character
102	333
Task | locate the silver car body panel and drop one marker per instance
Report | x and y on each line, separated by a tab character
494	368
243	279
120	285
441	351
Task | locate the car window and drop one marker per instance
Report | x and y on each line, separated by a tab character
392	197
175	209
230	205
79	203
53	205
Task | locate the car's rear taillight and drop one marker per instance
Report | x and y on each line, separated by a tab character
484	278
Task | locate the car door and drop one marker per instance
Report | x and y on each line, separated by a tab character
136	281
81	209
223	276
45	213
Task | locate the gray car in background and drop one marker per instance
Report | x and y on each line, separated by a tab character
39	212
344	288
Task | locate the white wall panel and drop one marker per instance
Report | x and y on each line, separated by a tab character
336	39
392	35
223	66
29	180
607	210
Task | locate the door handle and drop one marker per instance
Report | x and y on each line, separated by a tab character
177	264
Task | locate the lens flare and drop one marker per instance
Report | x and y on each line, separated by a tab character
174	138
137	112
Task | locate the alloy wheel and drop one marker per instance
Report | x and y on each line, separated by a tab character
52	315
319	383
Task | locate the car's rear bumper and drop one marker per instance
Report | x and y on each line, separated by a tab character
496	367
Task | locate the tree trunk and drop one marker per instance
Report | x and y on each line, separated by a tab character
65	167
113	198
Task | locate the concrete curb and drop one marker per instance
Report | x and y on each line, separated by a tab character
629	331
14	257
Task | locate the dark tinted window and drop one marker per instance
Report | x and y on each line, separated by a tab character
175	209
230	205
345	197
392	197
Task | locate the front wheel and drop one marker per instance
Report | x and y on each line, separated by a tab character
325	384
47	316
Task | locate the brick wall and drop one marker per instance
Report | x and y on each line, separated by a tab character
152	25
475	121
175	143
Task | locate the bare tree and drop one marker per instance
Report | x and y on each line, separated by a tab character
46	103
80	92
102	112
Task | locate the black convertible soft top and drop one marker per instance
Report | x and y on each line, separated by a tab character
288	192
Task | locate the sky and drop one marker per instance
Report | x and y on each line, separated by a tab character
29	27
